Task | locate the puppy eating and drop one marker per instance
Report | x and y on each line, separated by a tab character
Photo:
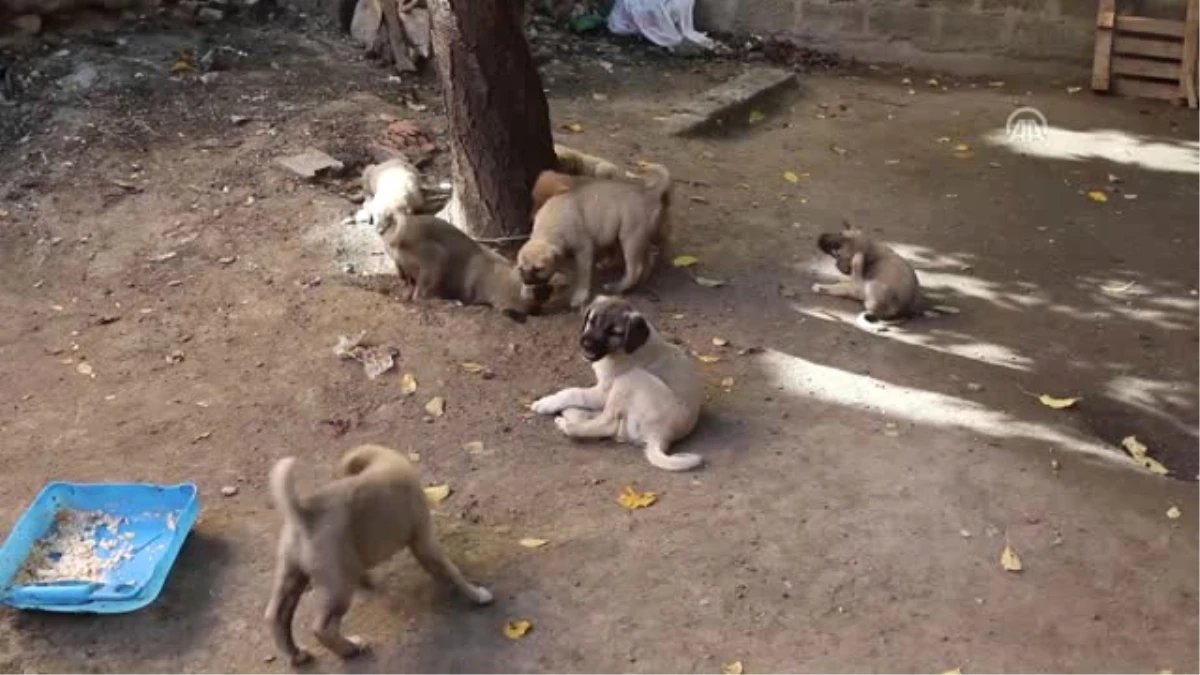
879	278
593	215
391	188
439	260
333	536
647	390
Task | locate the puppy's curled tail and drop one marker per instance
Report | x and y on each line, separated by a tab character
657	179
283	490
683	461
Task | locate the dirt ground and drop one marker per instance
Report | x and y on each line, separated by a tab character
858	489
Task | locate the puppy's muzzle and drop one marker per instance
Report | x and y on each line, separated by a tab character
532	277
593	348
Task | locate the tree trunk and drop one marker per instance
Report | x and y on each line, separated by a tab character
498	118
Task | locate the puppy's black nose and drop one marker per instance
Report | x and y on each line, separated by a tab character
530	277
541	292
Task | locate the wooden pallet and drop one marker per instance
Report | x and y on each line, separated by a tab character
1142	57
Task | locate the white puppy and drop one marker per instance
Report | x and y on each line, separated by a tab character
391	188
647	390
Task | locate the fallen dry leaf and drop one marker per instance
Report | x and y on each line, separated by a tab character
734	668
85	368
1174	513
706	358
699	199
791	176
1009	559
685	261
962	147
436	406
632	499
472	367
1098	196
437	493
720	342
953	671
757	116
531	542
408	383
727	383
574	127
515	630
708	283
1058	403
1141	454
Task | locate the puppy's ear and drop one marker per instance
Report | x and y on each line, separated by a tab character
587	316
637	331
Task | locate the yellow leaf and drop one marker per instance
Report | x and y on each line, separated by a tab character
953	671
727	383
1173	513
574	127
408	383
632	499
685	260
436	406
530	542
1141	454
181	66
734	668
472	367
1009	559
515	630
85	368
437	493
1097	196
1057	403
791	177
757	116
705	358
720	342
962	147
473	447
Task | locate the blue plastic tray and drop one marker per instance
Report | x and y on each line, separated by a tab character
147	511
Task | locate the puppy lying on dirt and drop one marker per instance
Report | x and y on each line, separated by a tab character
647	390
332	537
879	278
593	215
439	260
391	188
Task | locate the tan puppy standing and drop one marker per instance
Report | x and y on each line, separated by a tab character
333	536
439	260
593	215
879	278
647	390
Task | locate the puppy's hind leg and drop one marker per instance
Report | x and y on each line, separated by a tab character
290	584
430	555
335	591
604	425
636	250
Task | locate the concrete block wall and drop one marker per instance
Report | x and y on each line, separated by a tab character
952	34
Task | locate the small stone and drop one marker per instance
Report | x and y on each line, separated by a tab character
975	387
209	15
229	490
310	163
269	658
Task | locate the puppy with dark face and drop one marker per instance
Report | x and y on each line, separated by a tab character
879	278
331	538
647	390
439	260
593	215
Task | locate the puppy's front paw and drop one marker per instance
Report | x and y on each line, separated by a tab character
300	658
546	405
360	646
483	596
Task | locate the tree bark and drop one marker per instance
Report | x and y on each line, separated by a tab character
499	121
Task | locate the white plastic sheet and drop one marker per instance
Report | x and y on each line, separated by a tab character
666	23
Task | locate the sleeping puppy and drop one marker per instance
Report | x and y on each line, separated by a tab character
333	536
647	390
883	281
593	215
439	260
392	188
